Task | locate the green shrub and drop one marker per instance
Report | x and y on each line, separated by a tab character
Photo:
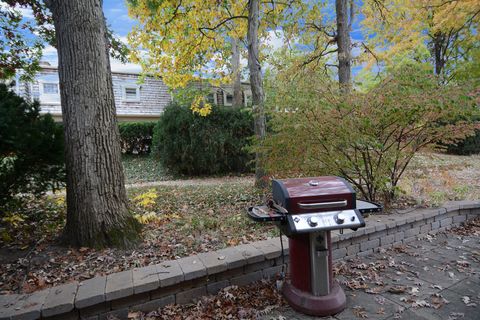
31	148
191	144
136	137
367	138
469	145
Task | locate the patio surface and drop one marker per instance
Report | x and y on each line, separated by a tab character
434	278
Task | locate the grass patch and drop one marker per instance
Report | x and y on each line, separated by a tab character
143	168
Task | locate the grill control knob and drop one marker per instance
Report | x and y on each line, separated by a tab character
340	218
313	221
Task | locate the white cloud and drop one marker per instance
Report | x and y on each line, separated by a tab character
26	12
124	39
275	39
49	50
118	66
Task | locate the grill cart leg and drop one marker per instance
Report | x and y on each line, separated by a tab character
325	297
320	274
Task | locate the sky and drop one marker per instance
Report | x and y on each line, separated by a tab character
117	18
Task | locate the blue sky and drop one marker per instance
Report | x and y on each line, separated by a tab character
117	16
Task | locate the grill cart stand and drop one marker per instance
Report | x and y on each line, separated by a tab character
306	210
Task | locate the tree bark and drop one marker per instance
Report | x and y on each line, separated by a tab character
343	45
438	45
97	211
237	84
256	83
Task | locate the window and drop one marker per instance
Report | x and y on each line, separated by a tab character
50	88
227	98
247	98
49	92
211	98
131	93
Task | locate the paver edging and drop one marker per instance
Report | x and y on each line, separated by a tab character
186	279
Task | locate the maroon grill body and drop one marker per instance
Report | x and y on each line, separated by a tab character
295	195
306	210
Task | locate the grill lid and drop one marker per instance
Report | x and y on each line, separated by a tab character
315	194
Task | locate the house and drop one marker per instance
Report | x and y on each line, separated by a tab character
134	101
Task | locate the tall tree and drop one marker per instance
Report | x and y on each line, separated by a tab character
448	30
324	35
236	75
97	211
256	84
343	42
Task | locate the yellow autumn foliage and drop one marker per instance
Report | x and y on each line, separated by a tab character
147	199
396	28
190	40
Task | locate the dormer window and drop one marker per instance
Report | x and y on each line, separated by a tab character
131	93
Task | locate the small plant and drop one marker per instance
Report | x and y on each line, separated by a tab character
147	199
147	217
461	192
438	197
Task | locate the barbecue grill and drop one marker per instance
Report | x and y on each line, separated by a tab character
306	210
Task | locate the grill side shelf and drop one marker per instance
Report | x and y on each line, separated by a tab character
366	207
265	214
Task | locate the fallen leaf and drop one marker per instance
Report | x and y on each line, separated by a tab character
380	300
420	304
397	289
359	312
456	316
375	290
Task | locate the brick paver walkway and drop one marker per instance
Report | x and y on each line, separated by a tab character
434	278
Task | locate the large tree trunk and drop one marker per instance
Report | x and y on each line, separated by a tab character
438	45
97	212
343	45
256	84
237	85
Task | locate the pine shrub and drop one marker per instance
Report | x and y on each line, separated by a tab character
31	148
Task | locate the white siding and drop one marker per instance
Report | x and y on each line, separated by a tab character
154	95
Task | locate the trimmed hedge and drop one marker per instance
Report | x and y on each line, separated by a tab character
136	137
187	143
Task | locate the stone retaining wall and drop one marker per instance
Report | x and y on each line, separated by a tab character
184	280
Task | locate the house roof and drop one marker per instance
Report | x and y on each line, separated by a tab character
55	68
